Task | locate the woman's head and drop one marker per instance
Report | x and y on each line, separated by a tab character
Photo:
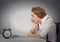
37	14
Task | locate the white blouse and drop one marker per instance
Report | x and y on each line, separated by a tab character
47	27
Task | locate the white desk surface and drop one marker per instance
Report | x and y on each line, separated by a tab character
22	39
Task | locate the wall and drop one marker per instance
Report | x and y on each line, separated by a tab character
18	13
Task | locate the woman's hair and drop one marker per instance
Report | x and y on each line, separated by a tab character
40	12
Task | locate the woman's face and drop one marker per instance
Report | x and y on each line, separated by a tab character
34	18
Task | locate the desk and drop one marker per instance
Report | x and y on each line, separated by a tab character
22	39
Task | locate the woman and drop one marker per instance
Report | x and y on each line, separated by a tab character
43	25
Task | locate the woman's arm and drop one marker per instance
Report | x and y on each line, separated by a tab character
32	32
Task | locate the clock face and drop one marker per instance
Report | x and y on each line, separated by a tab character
7	33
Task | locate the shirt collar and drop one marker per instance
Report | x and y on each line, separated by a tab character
45	18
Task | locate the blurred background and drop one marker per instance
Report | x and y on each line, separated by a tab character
18	13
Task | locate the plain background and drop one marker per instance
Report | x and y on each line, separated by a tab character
18	12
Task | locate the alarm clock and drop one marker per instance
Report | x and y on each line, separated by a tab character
6	33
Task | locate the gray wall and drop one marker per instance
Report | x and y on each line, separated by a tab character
9	8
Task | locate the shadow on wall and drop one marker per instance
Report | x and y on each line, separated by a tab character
58	31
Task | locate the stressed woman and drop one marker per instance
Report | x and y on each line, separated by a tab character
43	25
